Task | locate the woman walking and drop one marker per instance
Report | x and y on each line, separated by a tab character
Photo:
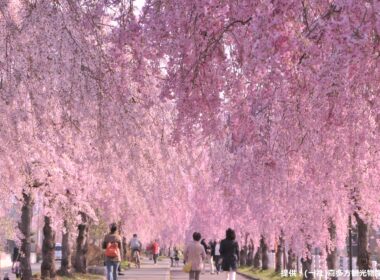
229	251
112	244
195	254
217	256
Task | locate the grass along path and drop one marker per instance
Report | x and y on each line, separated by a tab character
76	276
268	274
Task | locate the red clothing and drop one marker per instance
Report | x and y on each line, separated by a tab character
155	248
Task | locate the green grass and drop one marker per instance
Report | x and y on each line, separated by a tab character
79	276
268	274
125	265
76	276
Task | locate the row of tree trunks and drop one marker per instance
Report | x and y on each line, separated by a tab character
363	260
48	270
259	260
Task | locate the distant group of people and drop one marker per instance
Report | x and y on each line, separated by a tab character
212	250
174	254
154	248
224	254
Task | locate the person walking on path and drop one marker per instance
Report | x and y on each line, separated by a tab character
216	256
172	256
195	254
15	255
112	244
177	254
155	250
208	253
229	251
16	268
212	255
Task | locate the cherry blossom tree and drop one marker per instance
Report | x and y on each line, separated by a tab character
193	115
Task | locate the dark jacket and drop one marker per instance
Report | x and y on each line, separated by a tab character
229	251
212	246
16	254
204	244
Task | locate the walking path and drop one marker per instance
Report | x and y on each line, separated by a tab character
177	274
36	267
163	271
148	271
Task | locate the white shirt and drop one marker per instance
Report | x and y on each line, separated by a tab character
217	248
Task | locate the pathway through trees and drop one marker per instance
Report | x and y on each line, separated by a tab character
162	271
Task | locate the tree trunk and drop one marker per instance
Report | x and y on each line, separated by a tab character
65	269
25	228
125	246
264	254
48	251
331	252
80	264
257	259
363	261
250	254
279	255
243	255
291	265
244	251
306	265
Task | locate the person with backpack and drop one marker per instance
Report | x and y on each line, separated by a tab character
229	251
112	244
